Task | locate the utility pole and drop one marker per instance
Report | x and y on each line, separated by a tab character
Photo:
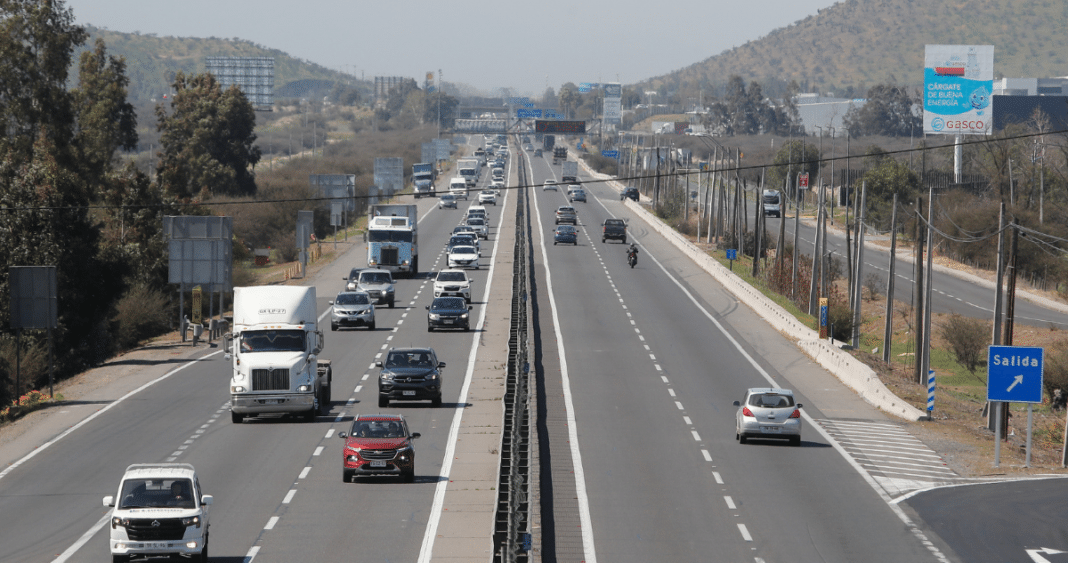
816	262
995	338
927	301
917	297
797	250
858	289
888	327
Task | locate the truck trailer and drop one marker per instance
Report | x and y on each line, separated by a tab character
274	351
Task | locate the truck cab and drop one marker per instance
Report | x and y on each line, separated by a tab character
274	349
772	200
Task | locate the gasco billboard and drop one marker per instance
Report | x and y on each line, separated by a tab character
958	81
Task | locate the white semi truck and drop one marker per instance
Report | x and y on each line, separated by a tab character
274	349
393	238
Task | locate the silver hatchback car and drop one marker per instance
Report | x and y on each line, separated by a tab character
768	413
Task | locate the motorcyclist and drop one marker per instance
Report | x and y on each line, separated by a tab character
632	253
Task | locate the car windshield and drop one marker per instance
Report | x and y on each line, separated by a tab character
378	235
352	299
448	303
771	401
272	341
565	230
460	240
377	429
475	221
374	277
410	359
451	276
463	250
157	493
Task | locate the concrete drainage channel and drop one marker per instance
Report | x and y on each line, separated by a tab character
512	539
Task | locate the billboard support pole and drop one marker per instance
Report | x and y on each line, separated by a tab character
958	158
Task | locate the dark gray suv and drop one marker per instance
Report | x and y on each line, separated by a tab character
410	374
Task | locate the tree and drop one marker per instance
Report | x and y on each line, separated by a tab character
883	180
794	157
207	141
37	41
569	99
548	98
106	122
967	338
447	104
888	111
747	112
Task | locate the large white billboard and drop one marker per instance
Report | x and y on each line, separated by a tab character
958	81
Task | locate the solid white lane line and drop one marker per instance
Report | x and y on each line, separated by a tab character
745	532
84	539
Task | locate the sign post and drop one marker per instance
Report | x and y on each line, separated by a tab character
823	317
930	392
732	255
1014	375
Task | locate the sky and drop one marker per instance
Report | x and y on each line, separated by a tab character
488	45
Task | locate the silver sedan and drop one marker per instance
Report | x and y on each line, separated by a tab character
768	413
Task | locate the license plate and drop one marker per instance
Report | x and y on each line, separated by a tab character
157	545
378	464
770	429
408	393
448	321
271	401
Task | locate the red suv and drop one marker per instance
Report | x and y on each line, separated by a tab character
378	444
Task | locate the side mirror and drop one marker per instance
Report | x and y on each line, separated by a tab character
228	342
469	307
799	405
206	500
342	435
109	501
378	364
331	302
415	435
737	403
441	364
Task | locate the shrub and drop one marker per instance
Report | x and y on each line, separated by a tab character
967	339
141	313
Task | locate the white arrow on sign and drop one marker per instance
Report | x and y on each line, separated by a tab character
1018	380
1034	554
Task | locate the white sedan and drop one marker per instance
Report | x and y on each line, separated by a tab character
768	413
487	196
461	256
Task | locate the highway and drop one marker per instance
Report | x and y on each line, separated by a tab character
636	373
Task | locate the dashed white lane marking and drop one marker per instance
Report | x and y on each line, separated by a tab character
304	472
289	496
318	450
664	378
696	436
364	378
329	433
251	554
708	457
686	419
671	392
745	532
678	404
729	500
271	522
715	475
358	387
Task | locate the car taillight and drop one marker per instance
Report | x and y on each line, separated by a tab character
747	412
795	414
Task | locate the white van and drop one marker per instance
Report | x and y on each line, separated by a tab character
458	187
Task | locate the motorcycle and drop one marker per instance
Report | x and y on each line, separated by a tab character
632	257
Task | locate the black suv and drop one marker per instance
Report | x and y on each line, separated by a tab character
630	192
448	312
410	374
615	229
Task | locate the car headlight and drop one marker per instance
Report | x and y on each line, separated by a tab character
191	521
237	389
304	388
386	377
372	262
116	522
432	377
463	316
434	317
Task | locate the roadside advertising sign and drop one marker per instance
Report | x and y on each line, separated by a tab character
958	82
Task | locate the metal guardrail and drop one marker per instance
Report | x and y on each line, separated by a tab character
512	526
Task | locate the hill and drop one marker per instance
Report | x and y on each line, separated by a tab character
856	44
152	62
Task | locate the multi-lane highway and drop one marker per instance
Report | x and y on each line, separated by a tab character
636	372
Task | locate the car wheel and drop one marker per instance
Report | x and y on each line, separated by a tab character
333	327
436	401
311	414
429	328
409	476
624	240
554	243
347	475
383	401
371	326
742	439
203	557
236	418
391	304
467	328
795	441
120	558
